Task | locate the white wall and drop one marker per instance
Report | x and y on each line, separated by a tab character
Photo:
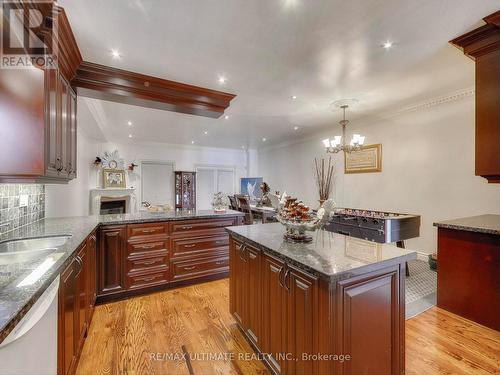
73	199
427	168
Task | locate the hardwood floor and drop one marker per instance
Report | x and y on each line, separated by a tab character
439	342
135	336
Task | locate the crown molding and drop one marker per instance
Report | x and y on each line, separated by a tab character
421	106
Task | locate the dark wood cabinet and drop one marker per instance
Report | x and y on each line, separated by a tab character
47	152
137	258
185	190
294	317
83	295
92	280
483	46
76	301
111	260
274	315
68	320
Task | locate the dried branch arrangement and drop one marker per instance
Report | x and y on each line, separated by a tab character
324	175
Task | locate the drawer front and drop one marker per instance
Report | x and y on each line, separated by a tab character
147	263
203	267
147	279
143	231
144	248
186	247
214	226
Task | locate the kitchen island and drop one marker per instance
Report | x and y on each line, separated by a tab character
332	306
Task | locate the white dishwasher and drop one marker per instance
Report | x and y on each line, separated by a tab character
31	348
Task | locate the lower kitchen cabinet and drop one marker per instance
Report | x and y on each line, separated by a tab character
76	291
139	258
111	259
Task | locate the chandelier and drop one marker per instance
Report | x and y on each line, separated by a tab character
338	144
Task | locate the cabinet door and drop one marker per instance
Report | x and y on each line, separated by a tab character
64	126
67	320
273	312
302	315
71	145
237	286
82	280
111	260
253	295
52	123
92	284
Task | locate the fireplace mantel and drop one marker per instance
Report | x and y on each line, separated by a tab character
97	194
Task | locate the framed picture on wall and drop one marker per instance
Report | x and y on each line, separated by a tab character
366	160
251	186
114	178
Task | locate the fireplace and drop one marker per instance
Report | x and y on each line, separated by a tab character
112	201
113	206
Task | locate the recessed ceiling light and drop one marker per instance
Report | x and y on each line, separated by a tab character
192	142
294	97
130	135
222	80
243	147
205	132
295	127
387	45
226	117
129	123
264	139
116	54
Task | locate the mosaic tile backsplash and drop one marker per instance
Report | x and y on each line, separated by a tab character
20	204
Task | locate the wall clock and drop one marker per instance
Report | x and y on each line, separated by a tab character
111	160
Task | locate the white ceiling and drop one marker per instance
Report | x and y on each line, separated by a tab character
270	50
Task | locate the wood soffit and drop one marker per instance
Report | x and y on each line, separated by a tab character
482	40
117	85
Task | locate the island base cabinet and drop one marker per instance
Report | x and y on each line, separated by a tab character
310	325
370	323
111	260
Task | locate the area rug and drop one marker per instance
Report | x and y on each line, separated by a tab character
421	288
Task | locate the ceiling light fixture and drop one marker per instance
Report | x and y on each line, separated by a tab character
129	123
295	127
116	54
338	144
222	80
205	132
387	45
226	117
192	142
294	97
264	139
130	135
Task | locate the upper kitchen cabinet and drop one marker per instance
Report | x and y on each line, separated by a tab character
483	46
38	113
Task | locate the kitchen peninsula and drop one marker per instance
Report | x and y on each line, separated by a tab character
338	298
107	257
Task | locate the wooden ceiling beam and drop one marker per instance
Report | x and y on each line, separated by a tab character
122	86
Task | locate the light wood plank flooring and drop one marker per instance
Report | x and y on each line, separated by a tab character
134	336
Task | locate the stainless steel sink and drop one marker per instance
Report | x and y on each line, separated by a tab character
25	250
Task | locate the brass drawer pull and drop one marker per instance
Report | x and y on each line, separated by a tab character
220	262
190	245
149	262
146	279
189	268
220	242
147	246
186	227
148	230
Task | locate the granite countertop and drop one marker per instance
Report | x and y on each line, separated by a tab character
15	301
330	256
481	224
